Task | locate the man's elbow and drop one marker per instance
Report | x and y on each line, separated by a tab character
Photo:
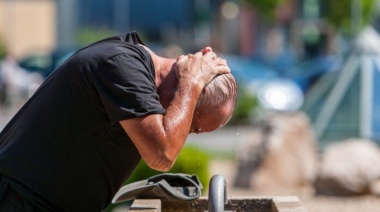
162	168
162	163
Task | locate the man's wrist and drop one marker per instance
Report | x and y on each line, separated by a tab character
191	85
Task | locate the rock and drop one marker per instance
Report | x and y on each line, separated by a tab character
375	187
349	167
281	152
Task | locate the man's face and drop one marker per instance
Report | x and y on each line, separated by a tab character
210	119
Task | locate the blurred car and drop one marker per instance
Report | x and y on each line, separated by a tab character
45	62
306	73
272	91
248	71
17	83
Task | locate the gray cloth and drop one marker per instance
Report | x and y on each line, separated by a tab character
167	187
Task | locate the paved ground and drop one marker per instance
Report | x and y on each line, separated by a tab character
224	139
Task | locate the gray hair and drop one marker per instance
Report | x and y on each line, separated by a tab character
220	91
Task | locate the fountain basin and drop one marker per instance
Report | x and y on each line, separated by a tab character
239	204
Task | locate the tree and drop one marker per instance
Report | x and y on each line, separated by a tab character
88	35
342	14
2	49
265	8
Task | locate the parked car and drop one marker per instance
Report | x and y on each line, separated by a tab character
247	70
306	73
45	62
273	92
17	84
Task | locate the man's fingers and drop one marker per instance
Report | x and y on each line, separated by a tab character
206	49
181	58
220	61
220	65
203	65
210	55
223	69
198	54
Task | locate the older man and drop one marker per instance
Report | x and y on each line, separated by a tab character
77	140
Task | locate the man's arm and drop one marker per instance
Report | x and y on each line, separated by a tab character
159	138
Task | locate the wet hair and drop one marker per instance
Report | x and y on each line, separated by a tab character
222	90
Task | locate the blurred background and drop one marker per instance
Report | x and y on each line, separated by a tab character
307	122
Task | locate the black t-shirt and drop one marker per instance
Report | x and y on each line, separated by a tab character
65	150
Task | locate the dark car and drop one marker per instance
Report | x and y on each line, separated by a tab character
45	62
306	73
273	91
247	70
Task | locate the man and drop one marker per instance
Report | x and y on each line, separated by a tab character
80	136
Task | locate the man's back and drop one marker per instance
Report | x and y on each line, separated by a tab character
65	149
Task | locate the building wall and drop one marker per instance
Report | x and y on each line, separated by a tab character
27	25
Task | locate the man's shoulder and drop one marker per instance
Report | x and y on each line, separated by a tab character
130	38
108	49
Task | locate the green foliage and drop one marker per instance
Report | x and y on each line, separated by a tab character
339	13
265	8
87	36
246	103
2	49
191	160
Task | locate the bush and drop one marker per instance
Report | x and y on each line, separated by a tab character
86	36
2	50
246	103
190	161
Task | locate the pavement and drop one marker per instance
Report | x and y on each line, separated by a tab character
221	140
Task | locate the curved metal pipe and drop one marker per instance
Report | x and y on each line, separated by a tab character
217	196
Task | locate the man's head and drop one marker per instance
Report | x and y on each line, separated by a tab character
215	105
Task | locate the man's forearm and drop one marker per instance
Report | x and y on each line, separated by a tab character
178	118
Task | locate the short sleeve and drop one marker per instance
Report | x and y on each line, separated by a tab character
126	87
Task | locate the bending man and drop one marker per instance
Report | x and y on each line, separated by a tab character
80	136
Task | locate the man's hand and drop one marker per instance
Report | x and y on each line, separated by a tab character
201	67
